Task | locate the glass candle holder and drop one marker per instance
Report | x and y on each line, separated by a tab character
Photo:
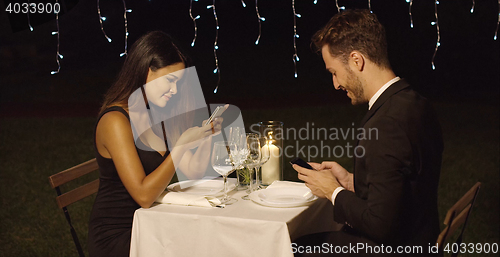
272	170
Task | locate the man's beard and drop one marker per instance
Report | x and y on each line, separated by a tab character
355	87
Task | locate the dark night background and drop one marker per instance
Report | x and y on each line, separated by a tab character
467	63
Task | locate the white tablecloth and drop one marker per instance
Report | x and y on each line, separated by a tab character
241	229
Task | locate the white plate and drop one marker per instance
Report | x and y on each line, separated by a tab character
283	196
202	187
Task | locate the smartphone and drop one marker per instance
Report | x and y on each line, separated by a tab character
218	112
301	163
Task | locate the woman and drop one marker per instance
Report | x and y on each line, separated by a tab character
135	170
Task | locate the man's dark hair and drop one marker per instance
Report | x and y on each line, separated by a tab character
354	30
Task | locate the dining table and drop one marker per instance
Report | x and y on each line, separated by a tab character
243	228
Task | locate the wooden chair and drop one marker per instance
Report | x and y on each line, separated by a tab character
458	215
63	200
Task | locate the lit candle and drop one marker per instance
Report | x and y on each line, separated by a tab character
271	169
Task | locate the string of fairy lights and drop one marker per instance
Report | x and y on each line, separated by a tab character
216	45
194	21
28	14
58	55
339	8
125	11
498	21
260	19
438	41
295	36
103	18
409	11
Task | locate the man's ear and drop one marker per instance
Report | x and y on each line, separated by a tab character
357	60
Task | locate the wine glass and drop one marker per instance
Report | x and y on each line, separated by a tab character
223	163
236	135
265	155
238	138
253	157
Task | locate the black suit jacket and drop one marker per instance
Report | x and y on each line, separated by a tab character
396	172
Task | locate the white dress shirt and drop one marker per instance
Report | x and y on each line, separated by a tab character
381	90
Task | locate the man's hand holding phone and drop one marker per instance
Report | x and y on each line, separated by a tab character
344	177
301	163
321	181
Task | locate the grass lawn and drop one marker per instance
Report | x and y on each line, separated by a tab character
32	149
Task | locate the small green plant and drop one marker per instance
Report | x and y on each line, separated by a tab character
243	176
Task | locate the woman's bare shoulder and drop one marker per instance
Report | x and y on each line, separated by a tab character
113	122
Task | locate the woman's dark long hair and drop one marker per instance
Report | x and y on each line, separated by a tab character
154	50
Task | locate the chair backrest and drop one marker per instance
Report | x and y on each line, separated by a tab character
76	194
458	215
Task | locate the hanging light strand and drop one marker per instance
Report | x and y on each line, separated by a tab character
438	43
295	36
315	2
28	13
243	3
58	54
409	11
339	8
370	5
498	21
101	19
125	11
260	20
194	21
473	5
216	46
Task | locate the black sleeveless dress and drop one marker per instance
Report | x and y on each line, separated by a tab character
111	219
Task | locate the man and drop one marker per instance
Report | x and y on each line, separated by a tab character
391	197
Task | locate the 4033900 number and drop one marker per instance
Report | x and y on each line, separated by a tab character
33	8
471	248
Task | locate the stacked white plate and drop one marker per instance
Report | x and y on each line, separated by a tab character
205	187
283	197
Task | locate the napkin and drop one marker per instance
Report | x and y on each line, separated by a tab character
279	183
188	199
